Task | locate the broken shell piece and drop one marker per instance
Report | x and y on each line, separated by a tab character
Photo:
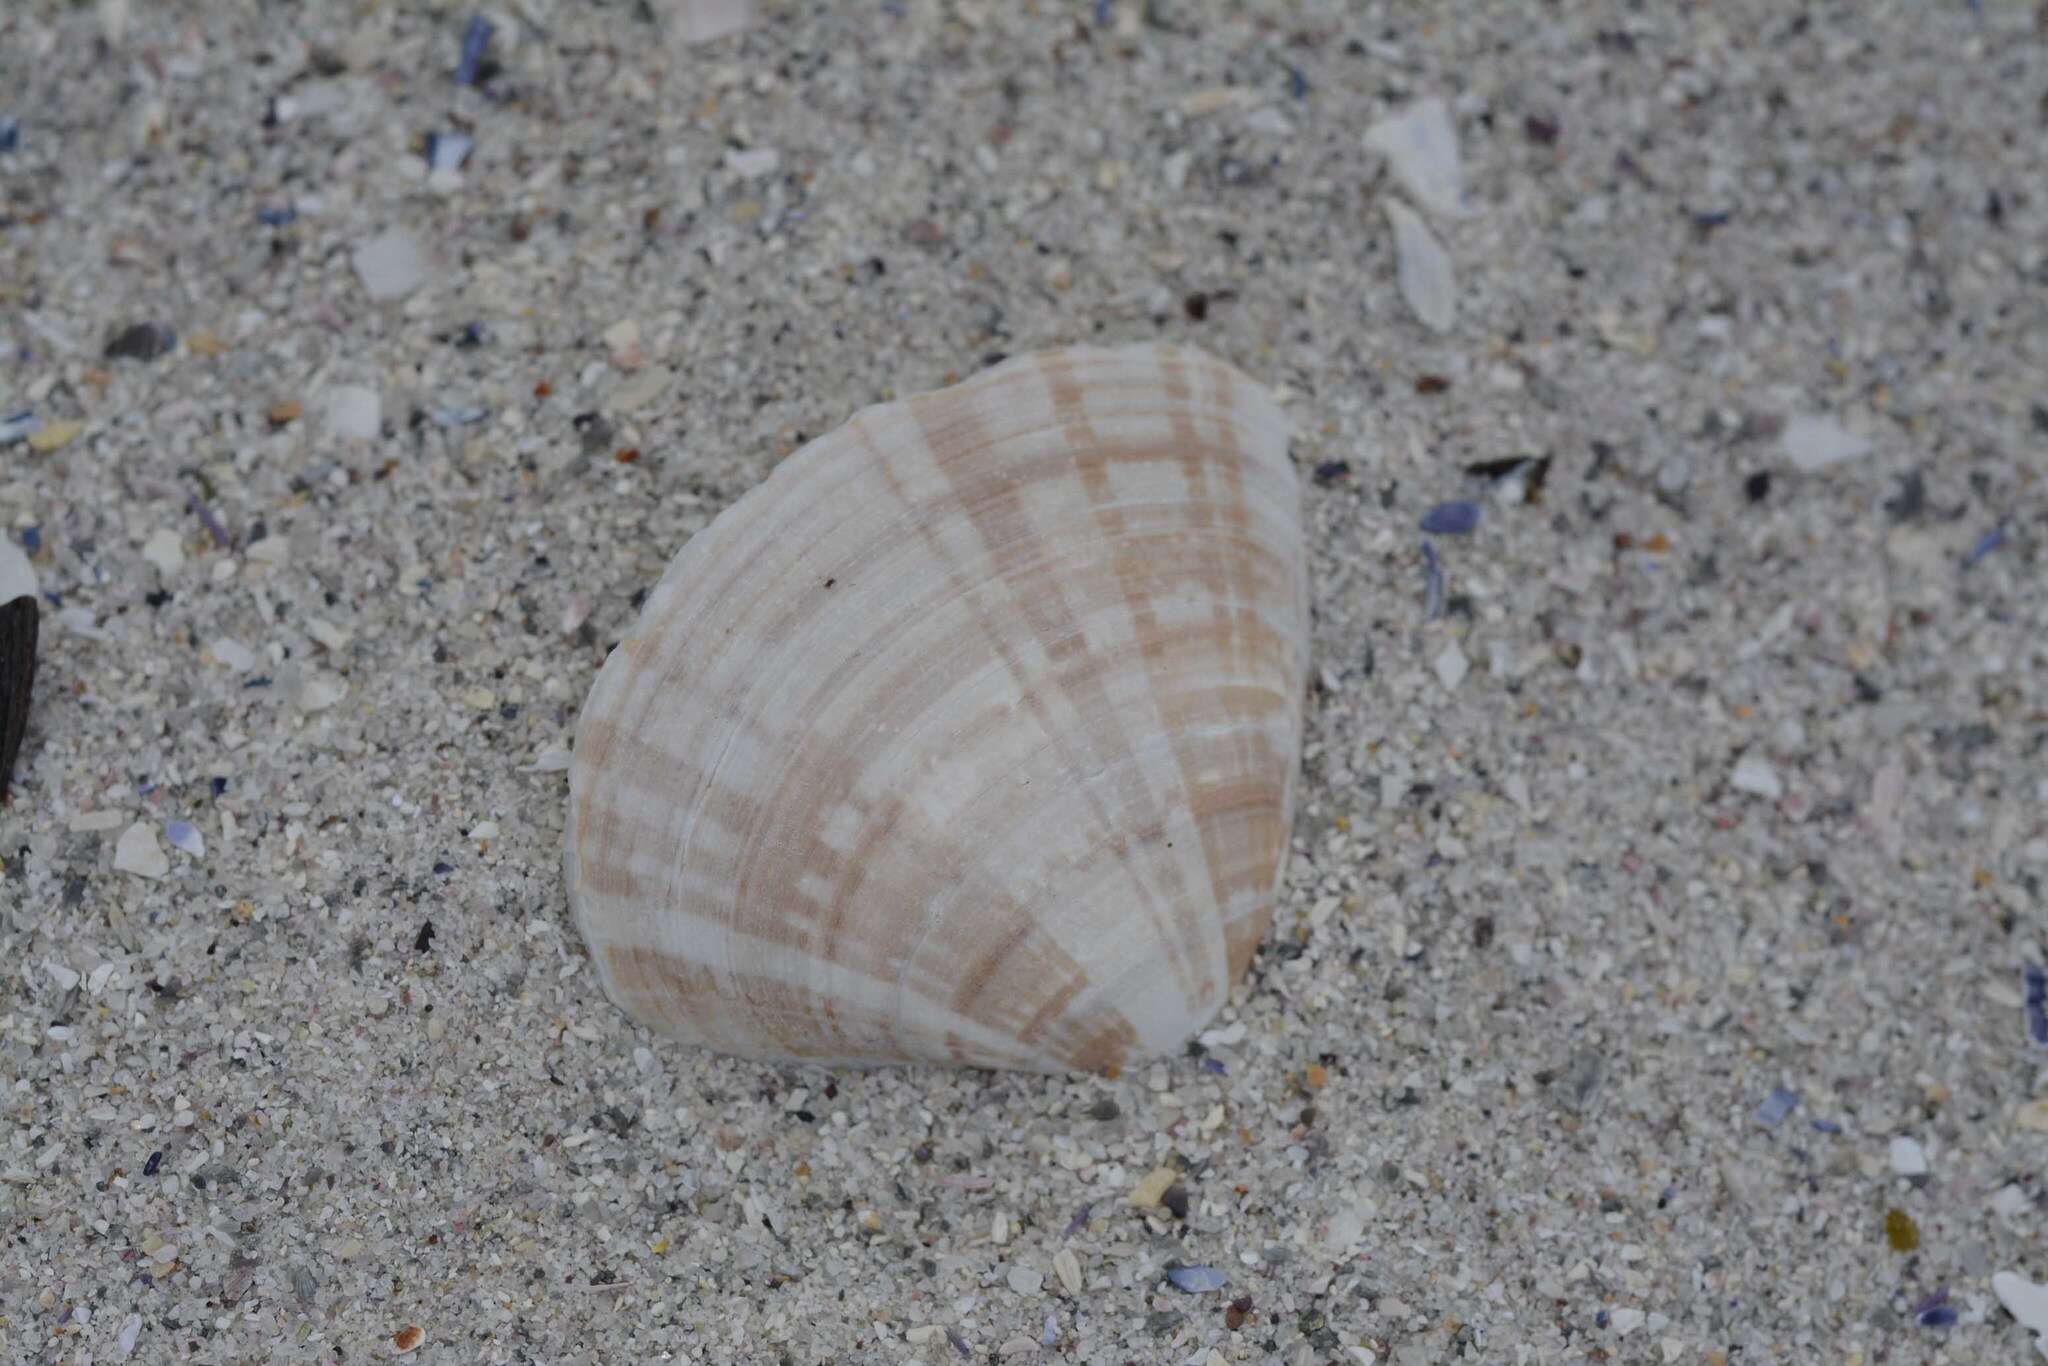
969	736
1423	269
1421	147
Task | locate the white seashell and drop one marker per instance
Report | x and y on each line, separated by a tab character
969	736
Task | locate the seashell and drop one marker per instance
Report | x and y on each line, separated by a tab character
969	736
19	616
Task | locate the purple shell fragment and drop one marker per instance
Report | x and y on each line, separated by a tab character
1935	1311
1196	1279
1775	1107
1455	518
207	519
447	151
1986	543
475	39
2034	985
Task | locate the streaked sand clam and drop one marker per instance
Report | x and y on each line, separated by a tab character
968	736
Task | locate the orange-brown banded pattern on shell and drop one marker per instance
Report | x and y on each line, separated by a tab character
969	736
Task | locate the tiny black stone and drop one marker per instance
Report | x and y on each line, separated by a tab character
1758	486
140	341
1912	499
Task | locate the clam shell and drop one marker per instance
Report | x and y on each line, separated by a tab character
968	736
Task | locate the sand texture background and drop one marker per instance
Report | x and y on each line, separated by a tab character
1649	970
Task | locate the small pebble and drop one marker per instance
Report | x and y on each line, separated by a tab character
353	413
54	436
140	341
1451	667
321	691
165	551
754	162
2010	1201
1815	443
1908	1157
232	655
1756	776
392	265
138	852
704	21
1148	1192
